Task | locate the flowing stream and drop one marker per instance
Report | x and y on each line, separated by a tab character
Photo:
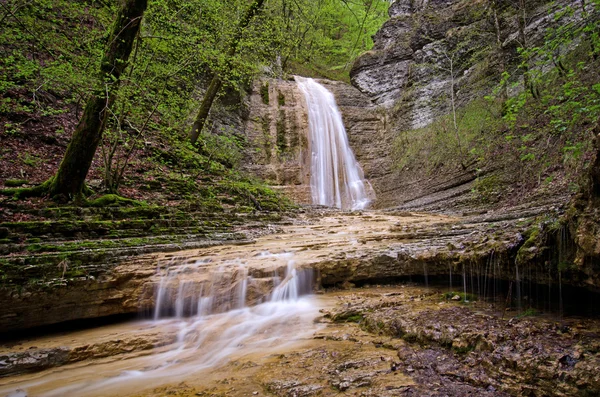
336	177
239	320
203	314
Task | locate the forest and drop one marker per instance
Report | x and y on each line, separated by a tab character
150	72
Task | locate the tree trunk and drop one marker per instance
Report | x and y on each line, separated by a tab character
499	54
70	177
217	83
209	98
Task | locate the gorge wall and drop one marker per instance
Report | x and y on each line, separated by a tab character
427	53
402	85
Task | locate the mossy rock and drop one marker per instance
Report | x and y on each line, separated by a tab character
464	297
528	250
350	316
113	200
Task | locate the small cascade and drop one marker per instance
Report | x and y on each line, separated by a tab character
336	177
214	310
201	288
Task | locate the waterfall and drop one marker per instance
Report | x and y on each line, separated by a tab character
200	288
336	177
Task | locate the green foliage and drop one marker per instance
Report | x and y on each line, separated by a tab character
321	38
48	55
264	92
436	144
30	159
223	148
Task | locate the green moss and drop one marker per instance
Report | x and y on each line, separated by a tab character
487	189
528	313
463	297
15	182
463	350
115	200
264	92
351	316
410	337
527	251
25	192
281	128
281	99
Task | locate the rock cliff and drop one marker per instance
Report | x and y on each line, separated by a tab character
428	58
277	134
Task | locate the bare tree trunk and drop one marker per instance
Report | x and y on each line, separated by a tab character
497	24
216	83
70	177
209	98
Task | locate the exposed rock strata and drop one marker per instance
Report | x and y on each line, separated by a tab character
450	346
406	75
277	134
342	248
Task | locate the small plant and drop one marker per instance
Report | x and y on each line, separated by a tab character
463	297
264	92
30	159
530	312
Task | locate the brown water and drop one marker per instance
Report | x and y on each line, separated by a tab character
198	345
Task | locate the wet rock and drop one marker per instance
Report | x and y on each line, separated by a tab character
457	350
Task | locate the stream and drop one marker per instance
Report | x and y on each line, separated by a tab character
244	320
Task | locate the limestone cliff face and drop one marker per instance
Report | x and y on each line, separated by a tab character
277	134
408	75
277	138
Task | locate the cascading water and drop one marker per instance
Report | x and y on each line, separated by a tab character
212	310
336	177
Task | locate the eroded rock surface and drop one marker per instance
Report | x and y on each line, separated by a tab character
452	347
342	248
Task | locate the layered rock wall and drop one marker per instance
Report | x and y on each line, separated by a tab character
423	53
278	148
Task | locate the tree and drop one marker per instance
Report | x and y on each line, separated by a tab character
70	178
216	82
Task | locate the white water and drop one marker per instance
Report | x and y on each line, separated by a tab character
336	177
204	305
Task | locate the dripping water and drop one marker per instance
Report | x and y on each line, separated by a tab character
465	282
